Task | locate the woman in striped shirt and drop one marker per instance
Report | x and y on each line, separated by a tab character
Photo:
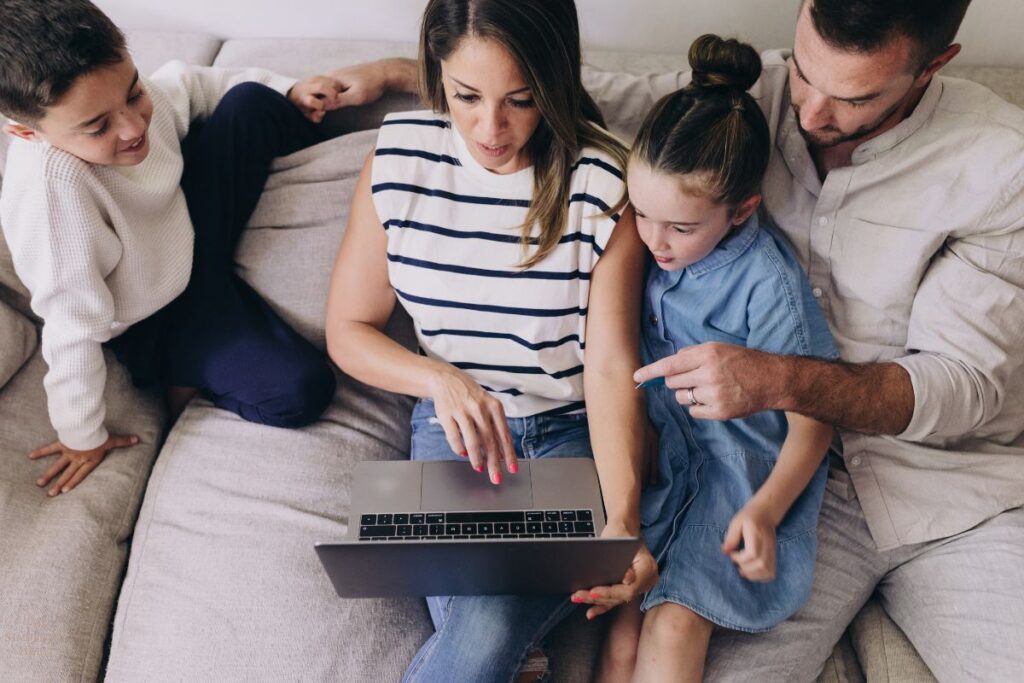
498	220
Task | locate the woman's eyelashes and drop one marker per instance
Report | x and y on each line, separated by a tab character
473	99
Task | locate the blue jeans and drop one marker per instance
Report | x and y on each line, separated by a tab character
487	638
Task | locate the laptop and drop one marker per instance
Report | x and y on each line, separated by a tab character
440	528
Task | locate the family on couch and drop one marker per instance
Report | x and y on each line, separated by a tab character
898	194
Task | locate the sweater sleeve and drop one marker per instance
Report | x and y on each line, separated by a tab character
61	249
195	91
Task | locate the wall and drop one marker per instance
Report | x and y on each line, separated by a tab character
990	33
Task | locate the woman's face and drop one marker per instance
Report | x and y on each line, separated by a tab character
490	103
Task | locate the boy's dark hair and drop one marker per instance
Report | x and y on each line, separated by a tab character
866	25
45	45
712	128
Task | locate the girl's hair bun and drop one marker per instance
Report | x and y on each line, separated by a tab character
721	63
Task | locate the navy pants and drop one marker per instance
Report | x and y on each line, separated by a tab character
219	335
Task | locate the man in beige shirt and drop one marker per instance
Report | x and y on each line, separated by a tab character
903	194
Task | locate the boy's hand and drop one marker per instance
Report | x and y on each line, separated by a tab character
753	526
315	96
74	466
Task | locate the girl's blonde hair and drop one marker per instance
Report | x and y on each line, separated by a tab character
543	38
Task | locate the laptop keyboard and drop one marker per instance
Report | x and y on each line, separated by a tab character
447	526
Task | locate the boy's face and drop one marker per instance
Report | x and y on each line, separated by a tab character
676	220
103	119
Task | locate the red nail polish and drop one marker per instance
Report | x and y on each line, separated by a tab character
496	479
464	454
479	468
575	599
595	596
514	468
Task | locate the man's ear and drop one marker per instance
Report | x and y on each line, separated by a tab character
933	66
21	131
747	207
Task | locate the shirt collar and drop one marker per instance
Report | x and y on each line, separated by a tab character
734	245
904	129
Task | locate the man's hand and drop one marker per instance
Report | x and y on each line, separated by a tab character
365	83
315	96
726	381
754	527
74	466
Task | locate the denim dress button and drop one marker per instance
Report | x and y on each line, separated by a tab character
654	320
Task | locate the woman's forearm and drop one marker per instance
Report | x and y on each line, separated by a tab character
370	356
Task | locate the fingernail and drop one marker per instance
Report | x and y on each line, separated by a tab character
496	478
39	482
479	468
514	468
135	439
594	595
65	489
464	454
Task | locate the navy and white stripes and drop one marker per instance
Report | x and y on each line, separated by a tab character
454	249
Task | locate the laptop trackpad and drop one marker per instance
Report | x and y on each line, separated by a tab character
455	486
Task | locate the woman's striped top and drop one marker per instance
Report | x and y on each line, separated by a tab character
453	260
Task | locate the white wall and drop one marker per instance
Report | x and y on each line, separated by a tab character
990	34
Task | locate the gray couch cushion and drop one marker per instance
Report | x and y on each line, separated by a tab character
61	559
18	339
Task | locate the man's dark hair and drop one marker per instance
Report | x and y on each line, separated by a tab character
45	45
867	25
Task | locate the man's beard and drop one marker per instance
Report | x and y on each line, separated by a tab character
814	140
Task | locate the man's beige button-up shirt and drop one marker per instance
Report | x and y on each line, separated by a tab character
915	253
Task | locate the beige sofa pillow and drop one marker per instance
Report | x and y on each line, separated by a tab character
18	340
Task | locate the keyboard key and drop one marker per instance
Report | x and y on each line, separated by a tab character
402	519
368	520
436	529
543	535
518	528
469	528
579	535
421	529
550	527
526	535
587	527
476	536
558	535
485	528
565	527
501	528
405	529
508	536
416	518
533	527
452	529
552	516
568	515
444	538
435	518
377	531
395	538
493	536
461	538
534	516
584	516
384	519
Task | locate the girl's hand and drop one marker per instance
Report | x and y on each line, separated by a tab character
74	466
474	423
640	578
755	528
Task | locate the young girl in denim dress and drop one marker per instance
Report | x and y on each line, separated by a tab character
732	517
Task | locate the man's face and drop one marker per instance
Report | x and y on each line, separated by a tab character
103	119
841	96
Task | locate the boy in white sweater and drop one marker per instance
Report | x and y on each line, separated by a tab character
124	231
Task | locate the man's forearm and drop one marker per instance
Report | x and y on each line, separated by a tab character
873	398
402	75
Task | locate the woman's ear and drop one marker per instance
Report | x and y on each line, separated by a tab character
746	207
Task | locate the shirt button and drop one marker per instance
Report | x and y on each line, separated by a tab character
855	461
654	320
823	220
816	292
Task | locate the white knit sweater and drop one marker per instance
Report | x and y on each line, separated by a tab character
102	247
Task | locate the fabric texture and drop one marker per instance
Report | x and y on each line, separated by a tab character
18	339
454	249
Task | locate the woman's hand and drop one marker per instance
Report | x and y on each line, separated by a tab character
74	466
754	526
640	578
473	422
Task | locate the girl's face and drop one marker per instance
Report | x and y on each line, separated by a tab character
678	224
490	103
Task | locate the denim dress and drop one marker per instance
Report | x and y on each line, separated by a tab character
750	291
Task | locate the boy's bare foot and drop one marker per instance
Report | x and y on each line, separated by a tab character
177	398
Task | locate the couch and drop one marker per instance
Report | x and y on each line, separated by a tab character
190	556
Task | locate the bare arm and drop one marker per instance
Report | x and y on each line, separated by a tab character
365	83
800	457
614	408
359	303
733	381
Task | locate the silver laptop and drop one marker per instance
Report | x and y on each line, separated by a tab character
440	528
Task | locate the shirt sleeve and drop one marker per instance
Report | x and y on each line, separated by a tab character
194	91
61	264
624	99
605	189
782	315
967	355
